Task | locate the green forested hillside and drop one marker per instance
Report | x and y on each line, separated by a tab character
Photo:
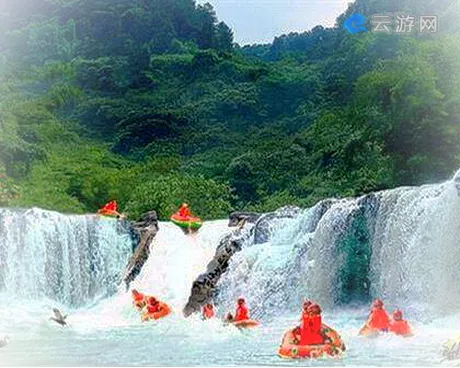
151	102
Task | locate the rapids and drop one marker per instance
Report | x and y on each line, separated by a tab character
402	245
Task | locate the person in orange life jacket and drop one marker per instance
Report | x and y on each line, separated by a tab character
298	329
378	318
184	211
242	311
310	329
138	299
398	325
208	311
155	306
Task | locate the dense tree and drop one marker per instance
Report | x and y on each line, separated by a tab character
151	102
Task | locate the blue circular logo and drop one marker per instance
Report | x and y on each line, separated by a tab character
355	24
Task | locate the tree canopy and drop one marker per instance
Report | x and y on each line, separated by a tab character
151	102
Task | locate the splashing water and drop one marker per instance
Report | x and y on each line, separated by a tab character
70	259
176	260
402	245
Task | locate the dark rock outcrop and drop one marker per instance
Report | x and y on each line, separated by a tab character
145	230
204	287
241	218
249	225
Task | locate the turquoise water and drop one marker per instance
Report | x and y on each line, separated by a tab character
401	245
178	342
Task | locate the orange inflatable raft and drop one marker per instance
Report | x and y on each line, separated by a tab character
247	323
290	348
164	311
366	331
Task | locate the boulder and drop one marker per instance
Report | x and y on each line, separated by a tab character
145	230
205	285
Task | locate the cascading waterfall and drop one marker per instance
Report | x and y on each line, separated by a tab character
402	245
69	259
177	259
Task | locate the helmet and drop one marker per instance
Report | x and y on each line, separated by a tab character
153	300
184	204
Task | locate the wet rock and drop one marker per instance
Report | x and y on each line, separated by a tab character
241	218
204	287
249	225
145	230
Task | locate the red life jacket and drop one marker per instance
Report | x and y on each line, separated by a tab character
310	330
138	297
400	328
208	313
379	320
184	212
242	313
153	308
111	206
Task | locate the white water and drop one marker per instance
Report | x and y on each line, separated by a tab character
409	246
71	259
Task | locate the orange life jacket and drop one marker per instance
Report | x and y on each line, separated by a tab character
138	297
184	212
400	328
153	308
379	320
208	313
242	313
310	330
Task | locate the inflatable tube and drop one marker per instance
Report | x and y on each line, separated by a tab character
165	311
290	348
366	331
109	213
192	223
248	323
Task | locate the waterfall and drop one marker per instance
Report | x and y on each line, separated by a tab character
401	245
69	259
176	260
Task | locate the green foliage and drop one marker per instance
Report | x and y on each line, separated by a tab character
151	103
166	193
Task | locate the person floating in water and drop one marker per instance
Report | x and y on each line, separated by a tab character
208	311
155	309
399	326
311	325
139	299
378	320
242	311
110	209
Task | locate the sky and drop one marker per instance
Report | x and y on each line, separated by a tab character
260	21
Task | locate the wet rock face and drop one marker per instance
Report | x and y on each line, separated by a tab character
250	224
241	218
204	287
145	230
457	182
